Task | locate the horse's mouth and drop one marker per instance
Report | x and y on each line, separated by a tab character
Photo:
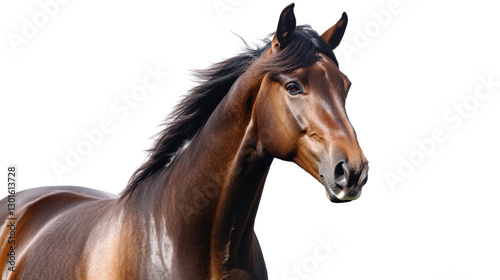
334	199
337	194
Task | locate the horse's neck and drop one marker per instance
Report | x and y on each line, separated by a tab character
214	185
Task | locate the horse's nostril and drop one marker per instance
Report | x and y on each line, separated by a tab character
339	170
341	174
363	178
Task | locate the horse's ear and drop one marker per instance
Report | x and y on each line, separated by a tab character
334	35
286	27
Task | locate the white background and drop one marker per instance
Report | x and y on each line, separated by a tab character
411	64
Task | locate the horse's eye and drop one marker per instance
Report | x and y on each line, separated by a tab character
293	88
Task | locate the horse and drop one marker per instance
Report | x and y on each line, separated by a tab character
188	211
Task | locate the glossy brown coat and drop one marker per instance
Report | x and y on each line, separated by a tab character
189	211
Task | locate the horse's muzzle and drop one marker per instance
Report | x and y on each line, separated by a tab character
345	182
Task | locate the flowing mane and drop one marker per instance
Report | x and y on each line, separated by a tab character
190	115
189	211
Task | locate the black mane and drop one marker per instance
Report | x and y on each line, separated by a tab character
191	113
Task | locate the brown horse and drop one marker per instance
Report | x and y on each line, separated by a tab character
188	212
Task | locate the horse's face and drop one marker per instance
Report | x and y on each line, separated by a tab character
301	117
